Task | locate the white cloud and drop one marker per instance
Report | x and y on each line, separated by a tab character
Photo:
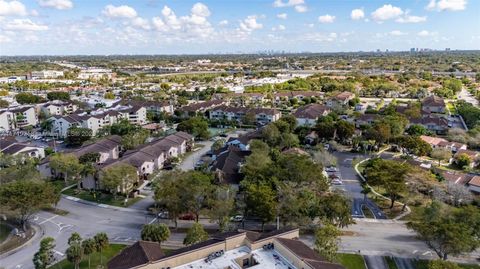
320	37
141	23
56	4
301	8
450	5
288	3
310	25
411	19
223	23
280	27
357	14
200	10
119	12
425	33
5	39
397	33
185	27
24	25
250	24
326	18
12	8
387	12
282	16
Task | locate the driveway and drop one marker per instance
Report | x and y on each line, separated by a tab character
375	262
189	162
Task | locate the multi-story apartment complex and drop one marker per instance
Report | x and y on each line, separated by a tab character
97	119
17	118
58	108
261	115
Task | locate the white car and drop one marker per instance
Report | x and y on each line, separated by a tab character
237	218
331	169
337	182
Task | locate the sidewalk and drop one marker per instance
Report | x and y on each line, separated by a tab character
124	209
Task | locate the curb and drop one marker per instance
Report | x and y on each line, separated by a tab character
38	232
116	208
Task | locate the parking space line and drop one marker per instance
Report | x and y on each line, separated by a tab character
49	219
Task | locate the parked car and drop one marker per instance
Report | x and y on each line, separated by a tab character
237	218
187	216
163	215
337	181
331	169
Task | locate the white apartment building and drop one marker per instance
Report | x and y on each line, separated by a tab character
58	108
97	119
47	74
17	117
96	73
262	115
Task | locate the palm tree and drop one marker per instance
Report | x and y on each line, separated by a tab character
101	242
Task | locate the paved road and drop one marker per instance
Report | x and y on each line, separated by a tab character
189	162
465	95
404	263
375	262
352	186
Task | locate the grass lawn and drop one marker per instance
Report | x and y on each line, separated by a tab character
391	263
4	231
351	261
107	254
102	198
423	264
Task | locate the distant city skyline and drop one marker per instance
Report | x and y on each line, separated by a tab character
75	27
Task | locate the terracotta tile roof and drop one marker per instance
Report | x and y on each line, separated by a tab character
475	181
312	111
140	253
307	254
433	140
433	100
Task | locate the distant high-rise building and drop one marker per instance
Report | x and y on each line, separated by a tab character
447	49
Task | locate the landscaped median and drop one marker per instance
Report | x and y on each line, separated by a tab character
397	211
107	254
101	197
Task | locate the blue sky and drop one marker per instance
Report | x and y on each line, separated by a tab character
63	27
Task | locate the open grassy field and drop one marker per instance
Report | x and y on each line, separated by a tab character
351	261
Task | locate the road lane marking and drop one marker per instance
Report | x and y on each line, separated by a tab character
153	220
49	219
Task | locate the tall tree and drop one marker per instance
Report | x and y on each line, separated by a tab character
448	231
101	243
68	165
168	194
326	241
45	255
157	232
119	178
88	246
75	254
23	198
389	175
195	234
441	154
221	205
261	201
